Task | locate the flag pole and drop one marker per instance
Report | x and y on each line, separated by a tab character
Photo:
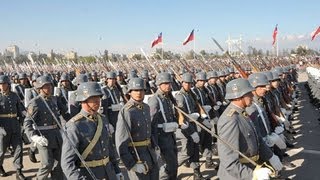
162	50
194	45
277	48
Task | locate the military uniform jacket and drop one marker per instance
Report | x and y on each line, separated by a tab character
134	118
111	95
11	104
186	101
238	130
157	115
38	111
263	126
81	130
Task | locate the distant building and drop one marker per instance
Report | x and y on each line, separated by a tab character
12	51
71	55
51	54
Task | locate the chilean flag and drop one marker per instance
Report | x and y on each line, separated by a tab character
315	34
189	38
157	41
274	35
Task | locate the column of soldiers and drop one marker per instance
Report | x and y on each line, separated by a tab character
312	86
106	121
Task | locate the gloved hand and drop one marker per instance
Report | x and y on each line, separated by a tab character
195	137
276	163
42	141
216	107
219	103
3	131
139	168
261	174
204	116
194	116
184	125
278	130
158	153
207	123
224	103
111	128
120	176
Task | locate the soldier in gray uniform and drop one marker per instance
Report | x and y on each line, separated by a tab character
75	106
41	127
162	112
236	128
188	133
206	101
135	135
23	83
90	133
111	98
257	111
11	112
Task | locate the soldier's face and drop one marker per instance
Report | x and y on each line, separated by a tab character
111	82
201	83
261	91
93	103
186	86
247	99
275	84
65	83
137	95
212	80
4	87
165	87
47	89
23	81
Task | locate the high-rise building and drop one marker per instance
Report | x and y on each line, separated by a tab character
12	51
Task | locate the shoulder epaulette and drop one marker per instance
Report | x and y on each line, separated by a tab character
129	106
231	112
77	117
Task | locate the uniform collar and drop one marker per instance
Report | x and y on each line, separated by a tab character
161	93
133	102
88	115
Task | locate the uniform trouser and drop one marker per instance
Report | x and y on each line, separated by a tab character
206	144
15	140
169	160
50	163
189	151
152	174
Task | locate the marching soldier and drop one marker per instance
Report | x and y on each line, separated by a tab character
205	99
272	137
135	135
111	97
41	127
74	106
11	112
188	133
65	87
236	128
90	133
23	83
162	112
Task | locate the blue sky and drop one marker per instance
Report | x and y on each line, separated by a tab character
125	26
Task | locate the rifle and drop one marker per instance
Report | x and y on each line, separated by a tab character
235	64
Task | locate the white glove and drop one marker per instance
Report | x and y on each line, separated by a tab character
139	168
219	103
111	128
42	141
269	140
224	103
278	130
120	176
207	123
204	116
3	131
276	163
184	125
216	107
194	116
158	153
195	137
261	174
280	141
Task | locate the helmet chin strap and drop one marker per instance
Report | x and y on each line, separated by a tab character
90	108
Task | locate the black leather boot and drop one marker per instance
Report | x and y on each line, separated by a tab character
197	175
19	175
2	172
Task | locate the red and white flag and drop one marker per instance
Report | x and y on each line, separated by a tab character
315	34
189	38
274	35
157	41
